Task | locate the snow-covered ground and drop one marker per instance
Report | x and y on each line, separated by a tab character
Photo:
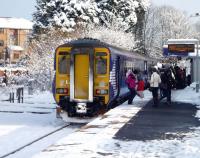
96	138
93	140
22	123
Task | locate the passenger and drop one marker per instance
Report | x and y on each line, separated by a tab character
189	80
131	82
163	85
140	87
5	78
166	85
128	72
154	83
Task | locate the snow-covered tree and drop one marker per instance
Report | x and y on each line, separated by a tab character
163	23
196	27
125	12
69	14
65	15
113	35
41	58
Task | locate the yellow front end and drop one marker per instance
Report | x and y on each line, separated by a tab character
80	64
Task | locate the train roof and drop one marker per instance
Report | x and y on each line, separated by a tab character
87	42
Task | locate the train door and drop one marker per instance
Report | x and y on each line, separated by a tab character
81	75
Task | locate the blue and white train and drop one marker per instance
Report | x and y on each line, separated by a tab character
90	76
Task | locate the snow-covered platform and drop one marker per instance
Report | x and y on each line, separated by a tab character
105	136
85	142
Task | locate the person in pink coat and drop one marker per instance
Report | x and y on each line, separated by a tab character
131	82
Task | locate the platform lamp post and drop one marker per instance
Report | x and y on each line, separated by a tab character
197	68
197	58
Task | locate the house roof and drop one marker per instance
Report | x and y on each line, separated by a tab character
15	23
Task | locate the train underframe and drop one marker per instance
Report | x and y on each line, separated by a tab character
81	109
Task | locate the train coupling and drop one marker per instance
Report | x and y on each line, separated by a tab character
81	108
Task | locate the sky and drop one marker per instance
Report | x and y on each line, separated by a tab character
189	6
17	8
25	8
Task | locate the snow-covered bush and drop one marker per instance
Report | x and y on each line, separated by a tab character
113	34
41	58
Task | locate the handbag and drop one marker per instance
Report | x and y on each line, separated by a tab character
150	89
163	86
140	94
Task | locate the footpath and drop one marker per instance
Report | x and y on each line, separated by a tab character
138	131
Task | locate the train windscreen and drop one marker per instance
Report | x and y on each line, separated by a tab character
64	64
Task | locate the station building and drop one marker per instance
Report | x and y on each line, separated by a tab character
14	35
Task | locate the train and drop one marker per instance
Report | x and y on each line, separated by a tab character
90	76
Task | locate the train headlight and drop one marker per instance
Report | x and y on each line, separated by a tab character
62	90
101	91
102	84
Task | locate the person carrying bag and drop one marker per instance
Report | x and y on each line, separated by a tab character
131	82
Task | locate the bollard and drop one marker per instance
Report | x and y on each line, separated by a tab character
12	97
20	95
197	87
22	90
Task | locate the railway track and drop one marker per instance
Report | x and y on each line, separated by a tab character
39	139
34	110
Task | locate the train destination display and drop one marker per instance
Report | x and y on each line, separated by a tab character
181	48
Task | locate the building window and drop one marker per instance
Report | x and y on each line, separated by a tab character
16	56
13	37
1	30
1	43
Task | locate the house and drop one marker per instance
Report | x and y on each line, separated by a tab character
14	34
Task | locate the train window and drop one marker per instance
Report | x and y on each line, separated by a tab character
64	64
101	65
101	54
63	53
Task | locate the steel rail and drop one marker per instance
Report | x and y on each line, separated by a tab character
34	141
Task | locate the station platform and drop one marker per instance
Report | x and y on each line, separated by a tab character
125	127
163	122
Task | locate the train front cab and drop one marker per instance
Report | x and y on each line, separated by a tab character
82	80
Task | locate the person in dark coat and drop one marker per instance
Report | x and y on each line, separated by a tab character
166	85
5	78
131	82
